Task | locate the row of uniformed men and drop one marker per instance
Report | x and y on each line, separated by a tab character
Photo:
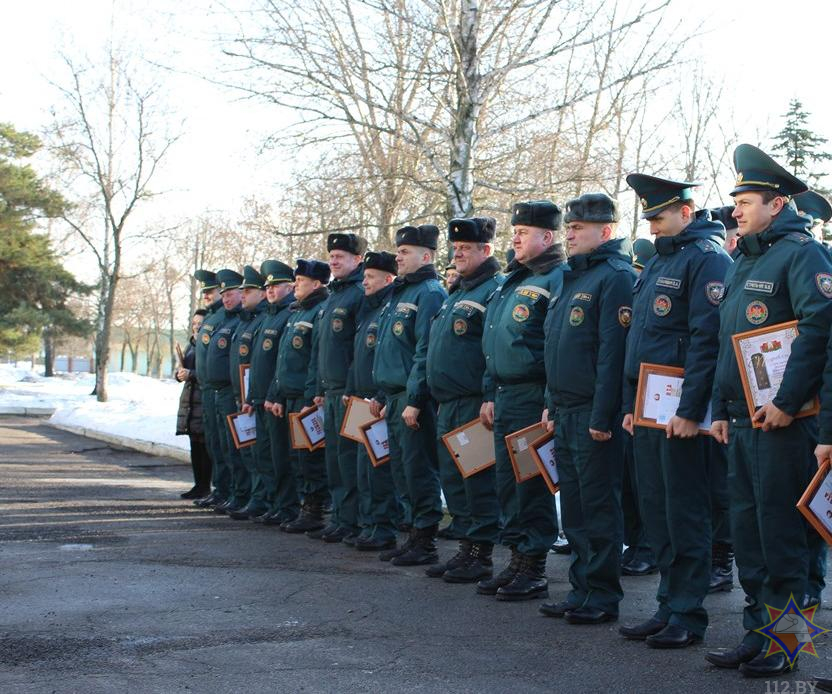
552	337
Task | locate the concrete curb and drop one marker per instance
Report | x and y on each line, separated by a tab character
149	447
27	411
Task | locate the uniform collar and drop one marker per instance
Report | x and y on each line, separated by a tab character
355	276
313	299
487	269
541	264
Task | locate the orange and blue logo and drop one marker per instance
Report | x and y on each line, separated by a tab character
791	630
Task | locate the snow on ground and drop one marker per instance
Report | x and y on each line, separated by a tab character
139	407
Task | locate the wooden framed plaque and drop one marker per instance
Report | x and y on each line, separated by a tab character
518	451
471	446
296	434
243	429
311	420
816	502
657	397
375	440
543	454
356	414
245	371
762	356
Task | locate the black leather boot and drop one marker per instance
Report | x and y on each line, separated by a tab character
422	551
438	570
529	582
311	518
392	553
771	666
490	586
722	572
477	565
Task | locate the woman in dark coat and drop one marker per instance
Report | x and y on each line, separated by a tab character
189	417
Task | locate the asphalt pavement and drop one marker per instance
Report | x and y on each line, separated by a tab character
111	583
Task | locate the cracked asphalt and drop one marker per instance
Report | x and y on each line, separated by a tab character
111	583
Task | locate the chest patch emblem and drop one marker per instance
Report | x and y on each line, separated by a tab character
576	316
625	316
398	328
460	326
756	312
222	343
206	338
337	325
662	305
243	350
715	291
824	282
267	344
297	342
520	313
371	340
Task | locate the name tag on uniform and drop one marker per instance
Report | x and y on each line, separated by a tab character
533	292
582	296
759	286
668	282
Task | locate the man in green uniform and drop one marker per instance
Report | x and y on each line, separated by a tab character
334	356
675	323
217	388
399	370
249	490
817	207
513	394
379	508
271	452
455	364
213	303
586	330
295	383
781	274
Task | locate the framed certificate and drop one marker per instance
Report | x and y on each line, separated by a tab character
245	370
356	414
657	397
243	429
471	446
543	454
299	441
762	356
311	420
816	502
519	453
374	438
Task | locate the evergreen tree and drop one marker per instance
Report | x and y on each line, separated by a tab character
802	148
34	286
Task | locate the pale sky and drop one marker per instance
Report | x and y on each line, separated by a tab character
766	51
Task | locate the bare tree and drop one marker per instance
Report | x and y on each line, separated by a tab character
444	83
105	135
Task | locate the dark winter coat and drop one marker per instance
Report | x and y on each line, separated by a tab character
189	416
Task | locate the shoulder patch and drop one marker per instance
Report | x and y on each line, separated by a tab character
795	237
705	246
823	280
619	264
715	291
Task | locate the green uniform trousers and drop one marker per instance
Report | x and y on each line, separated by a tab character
384	510
240	482
718	478
262	472
527	509
341	472
472	502
767	474
415	466
285	502
216	442
212	443
672	477
311	465
591	474
635	536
